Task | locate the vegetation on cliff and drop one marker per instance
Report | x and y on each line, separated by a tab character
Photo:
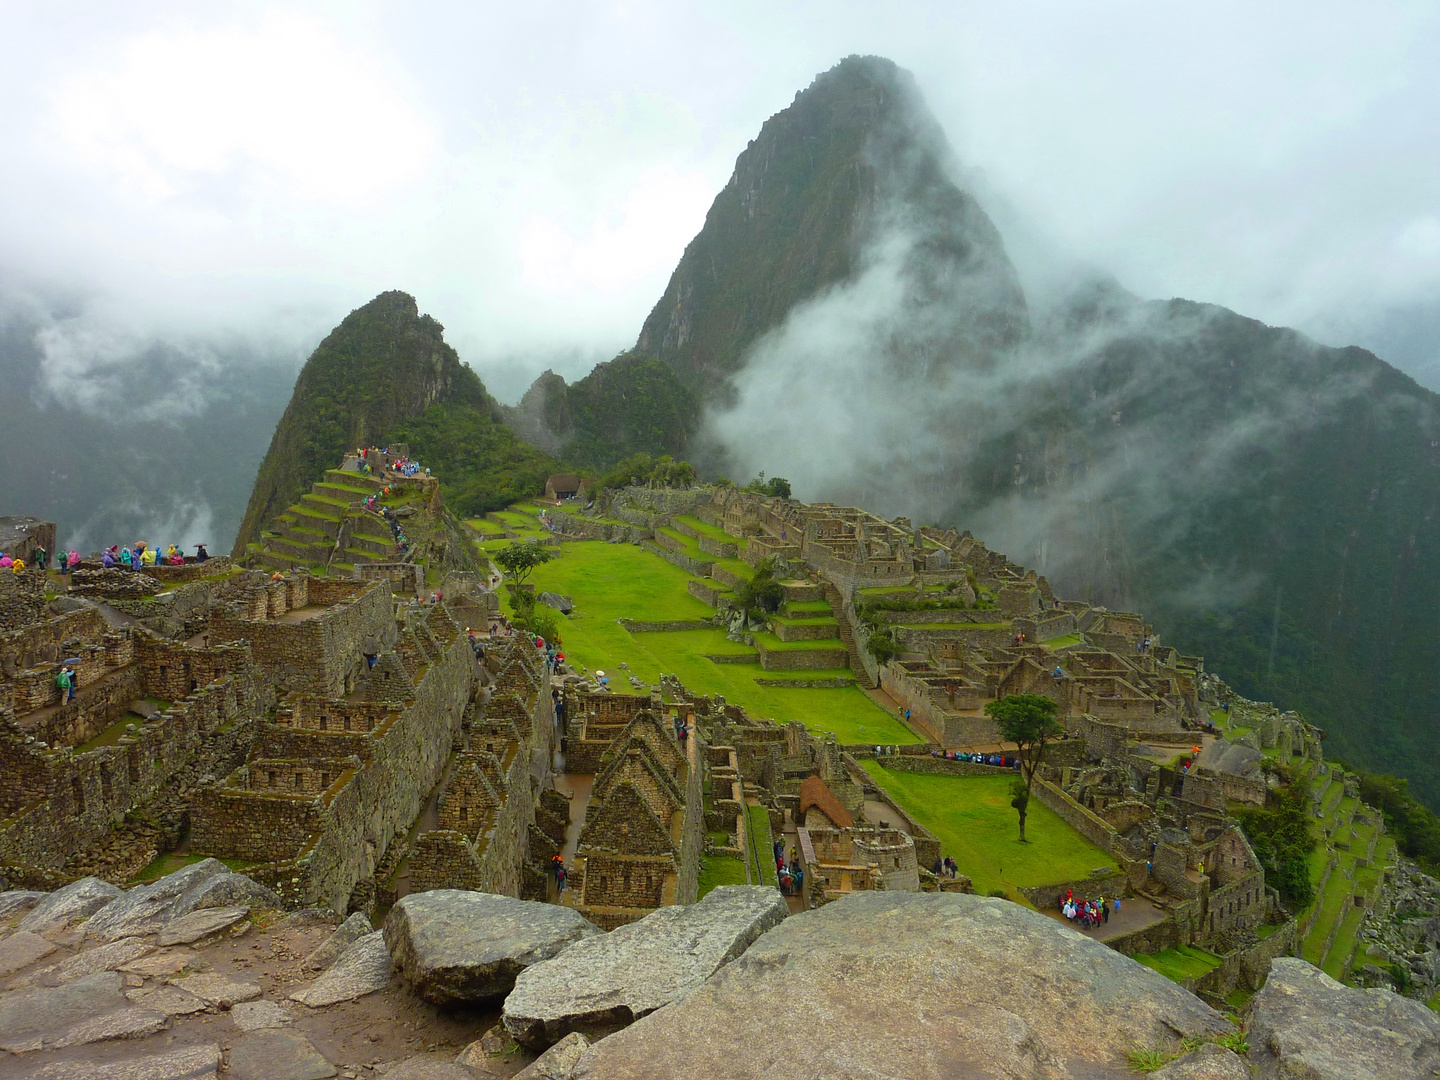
385	374
632	404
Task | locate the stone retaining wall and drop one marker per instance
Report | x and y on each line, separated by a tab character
22	599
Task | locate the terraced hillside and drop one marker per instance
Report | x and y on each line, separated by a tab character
1353	858
327	530
1347	870
649	607
330	531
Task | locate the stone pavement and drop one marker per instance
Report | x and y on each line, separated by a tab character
245	993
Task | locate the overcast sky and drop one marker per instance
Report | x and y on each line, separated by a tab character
207	174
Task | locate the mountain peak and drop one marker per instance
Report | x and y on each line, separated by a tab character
856	156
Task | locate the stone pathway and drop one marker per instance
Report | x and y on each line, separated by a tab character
220	992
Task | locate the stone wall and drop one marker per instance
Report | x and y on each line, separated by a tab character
22	599
348	828
323	654
56	802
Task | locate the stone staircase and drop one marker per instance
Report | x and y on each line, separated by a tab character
328	530
846	634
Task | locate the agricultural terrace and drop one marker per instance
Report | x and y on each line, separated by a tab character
609	582
972	818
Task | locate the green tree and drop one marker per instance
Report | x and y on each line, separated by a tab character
762	595
1029	721
519	560
1020	800
1282	839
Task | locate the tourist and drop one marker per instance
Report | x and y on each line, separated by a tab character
6	561
72	560
126	559
66	682
107	560
37	558
17	566
1104	910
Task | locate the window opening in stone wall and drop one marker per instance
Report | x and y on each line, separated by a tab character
106	782
299	781
271	779
77	789
133	766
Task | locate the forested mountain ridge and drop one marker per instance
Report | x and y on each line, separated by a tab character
632	404
385	374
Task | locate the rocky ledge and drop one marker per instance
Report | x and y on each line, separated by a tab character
606	982
208	982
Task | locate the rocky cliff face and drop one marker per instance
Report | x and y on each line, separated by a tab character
856	162
386	374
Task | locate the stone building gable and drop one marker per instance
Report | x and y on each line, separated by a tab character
472	796
648	727
636	765
625	823
814	794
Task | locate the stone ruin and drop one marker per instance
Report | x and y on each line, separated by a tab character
336	738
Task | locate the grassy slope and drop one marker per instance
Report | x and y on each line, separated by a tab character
972	818
613	581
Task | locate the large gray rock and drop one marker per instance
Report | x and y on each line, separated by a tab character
22	949
1210	1062
921	986
68	906
1304	1025
362	969
558	1063
218	989
147	909
345	935
109	957
87	1010
453	945
199	925
562	604
18	901
604	983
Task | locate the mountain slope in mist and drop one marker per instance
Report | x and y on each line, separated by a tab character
625	406
851	319
852	171
385	374
104	455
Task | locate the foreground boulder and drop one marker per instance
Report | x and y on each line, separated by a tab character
70	905
147	909
923	986
602	984
455	945
1303	1023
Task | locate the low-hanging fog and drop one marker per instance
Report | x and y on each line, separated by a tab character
193	197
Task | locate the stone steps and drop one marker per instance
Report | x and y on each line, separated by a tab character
847	636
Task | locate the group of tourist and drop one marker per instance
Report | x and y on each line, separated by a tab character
788	871
1086	914
1003	761
946	867
16	565
140	556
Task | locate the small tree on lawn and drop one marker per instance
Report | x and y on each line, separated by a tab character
518	560
1029	721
